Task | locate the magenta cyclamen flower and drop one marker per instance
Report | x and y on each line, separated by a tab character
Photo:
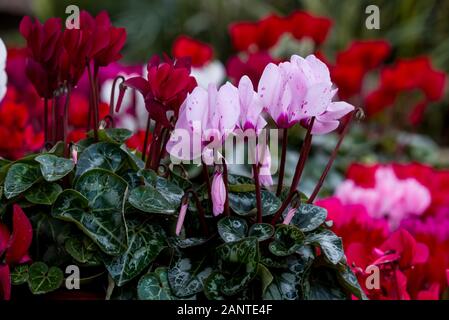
218	194
298	90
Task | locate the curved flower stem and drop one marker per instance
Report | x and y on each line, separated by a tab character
282	164
331	159
258	196
304	154
225	180
145	141
201	214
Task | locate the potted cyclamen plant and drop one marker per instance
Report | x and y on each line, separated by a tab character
141	225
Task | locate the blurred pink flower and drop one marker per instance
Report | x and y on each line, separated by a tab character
391	197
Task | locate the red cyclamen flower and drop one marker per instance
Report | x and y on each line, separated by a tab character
166	87
200	52
14	247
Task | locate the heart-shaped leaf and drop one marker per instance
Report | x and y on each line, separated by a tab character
151	200
113	135
83	250
154	286
19	274
97	208
330	244
212	286
232	228
188	242
283	287
102	155
262	231
287	239
54	168
145	242
265	277
244	203
308	217
42	279
349	281
43	193
20	177
187	276
169	190
238	263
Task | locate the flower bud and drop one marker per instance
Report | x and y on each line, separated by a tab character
218	194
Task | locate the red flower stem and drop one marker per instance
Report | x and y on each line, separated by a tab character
331	159
97	102
165	137
66	120
258	196
201	214
46	121
207	181
153	147
225	180
304	154
145	141
54	119
282	164
93	110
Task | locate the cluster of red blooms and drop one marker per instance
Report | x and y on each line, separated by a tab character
413	259
58	57
253	40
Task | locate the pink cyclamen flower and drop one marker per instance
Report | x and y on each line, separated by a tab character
299	89
218	194
251	107
181	217
289	216
205	120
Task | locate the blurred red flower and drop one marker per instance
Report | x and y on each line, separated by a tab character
304	25
251	65
199	52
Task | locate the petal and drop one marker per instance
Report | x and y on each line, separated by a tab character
5	282
317	100
319	69
21	237
138	83
337	110
323	127
228	108
269	88
197	108
4	238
